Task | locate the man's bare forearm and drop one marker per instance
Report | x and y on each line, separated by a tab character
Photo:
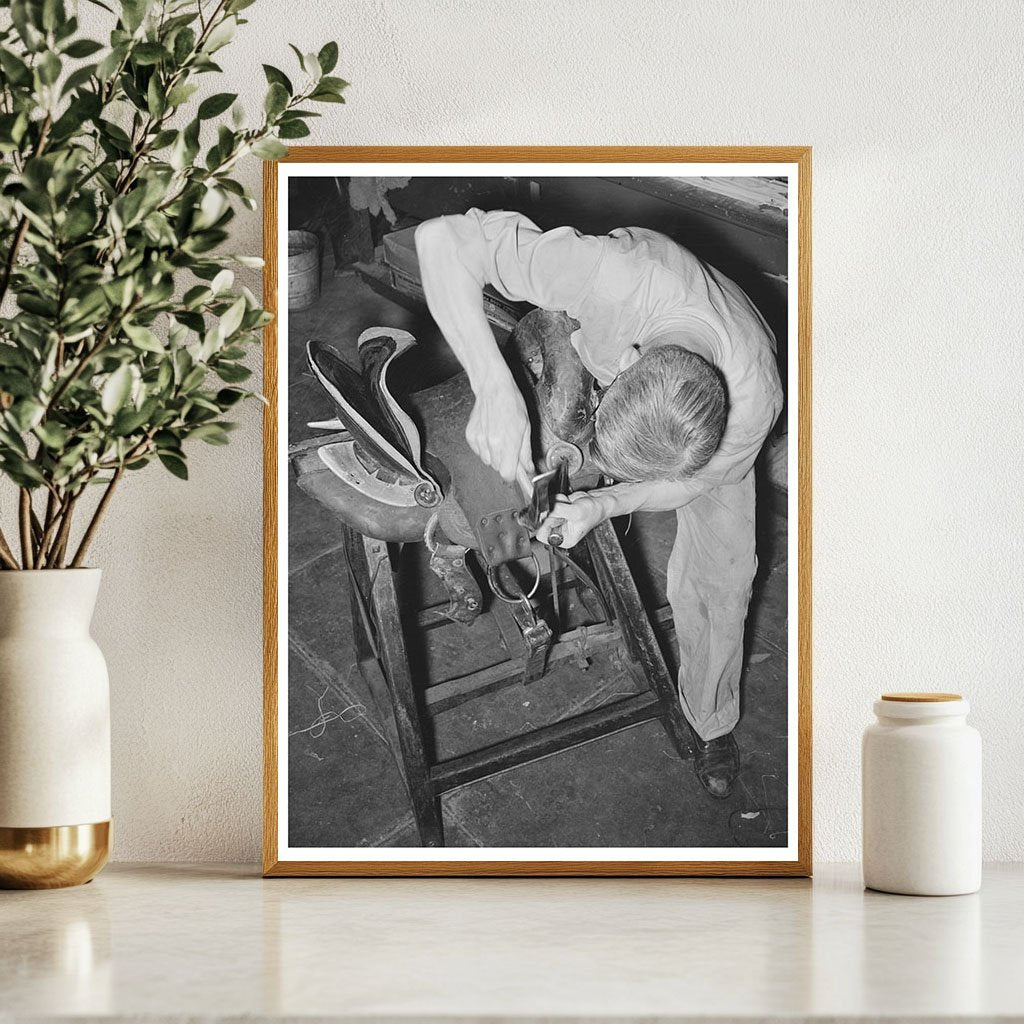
453	293
498	429
654	496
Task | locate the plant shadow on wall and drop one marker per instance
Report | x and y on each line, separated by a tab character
123	333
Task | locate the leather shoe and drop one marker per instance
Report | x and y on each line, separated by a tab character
717	763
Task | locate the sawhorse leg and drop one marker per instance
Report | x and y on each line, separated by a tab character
376	571
616	580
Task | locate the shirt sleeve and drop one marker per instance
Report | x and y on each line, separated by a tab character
551	269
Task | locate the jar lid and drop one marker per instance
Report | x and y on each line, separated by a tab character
921	705
921	698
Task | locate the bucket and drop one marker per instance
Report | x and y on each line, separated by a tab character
303	269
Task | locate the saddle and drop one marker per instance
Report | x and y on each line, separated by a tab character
402	457
396	465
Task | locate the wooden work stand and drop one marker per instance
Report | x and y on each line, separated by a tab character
379	629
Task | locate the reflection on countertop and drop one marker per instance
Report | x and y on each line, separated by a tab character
179	941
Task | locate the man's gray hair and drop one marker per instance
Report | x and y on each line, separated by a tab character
661	419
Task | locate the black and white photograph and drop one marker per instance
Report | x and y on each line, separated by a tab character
537	537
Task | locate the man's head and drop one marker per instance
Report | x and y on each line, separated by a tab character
661	419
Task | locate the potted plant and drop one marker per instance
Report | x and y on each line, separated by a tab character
122	340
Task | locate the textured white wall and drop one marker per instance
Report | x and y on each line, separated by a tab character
913	110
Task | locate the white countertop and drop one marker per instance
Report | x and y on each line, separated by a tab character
181	941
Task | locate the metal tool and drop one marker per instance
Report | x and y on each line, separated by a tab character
560	463
540	500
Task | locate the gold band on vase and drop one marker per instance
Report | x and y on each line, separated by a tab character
52	857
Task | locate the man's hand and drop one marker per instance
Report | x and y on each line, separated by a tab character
579	513
499	432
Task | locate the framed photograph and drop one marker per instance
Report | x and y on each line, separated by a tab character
538	511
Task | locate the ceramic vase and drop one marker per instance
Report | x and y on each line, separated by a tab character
54	731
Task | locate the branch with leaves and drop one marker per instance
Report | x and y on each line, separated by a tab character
126	333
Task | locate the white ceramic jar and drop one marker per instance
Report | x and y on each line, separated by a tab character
921	777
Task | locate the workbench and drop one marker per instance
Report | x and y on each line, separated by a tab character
180	942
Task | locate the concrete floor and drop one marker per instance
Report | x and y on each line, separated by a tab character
626	790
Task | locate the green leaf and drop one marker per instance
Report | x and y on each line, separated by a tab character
221	35
66	29
78	222
156	101
232	373
211	343
128	421
185	147
274	75
211	433
328	57
53	14
149	53
49	68
174	464
53	435
311	65
116	390
17	384
25	17
144	338
115	133
83	48
26	413
109	65
11	442
337	85
269	149
78	78
181	94
12	356
214	105
164	376
293	130
323	96
296	112
162	139
133	12
184	44
193	379
193	321
232	319
129	207
16	70
227	397
223	280
119	291
87	309
276	100
195	296
211	208
21	471
37	304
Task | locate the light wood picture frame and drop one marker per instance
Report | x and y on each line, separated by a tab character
728	190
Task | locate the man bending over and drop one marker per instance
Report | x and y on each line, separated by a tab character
691	390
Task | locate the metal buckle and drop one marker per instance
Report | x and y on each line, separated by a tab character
538	638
